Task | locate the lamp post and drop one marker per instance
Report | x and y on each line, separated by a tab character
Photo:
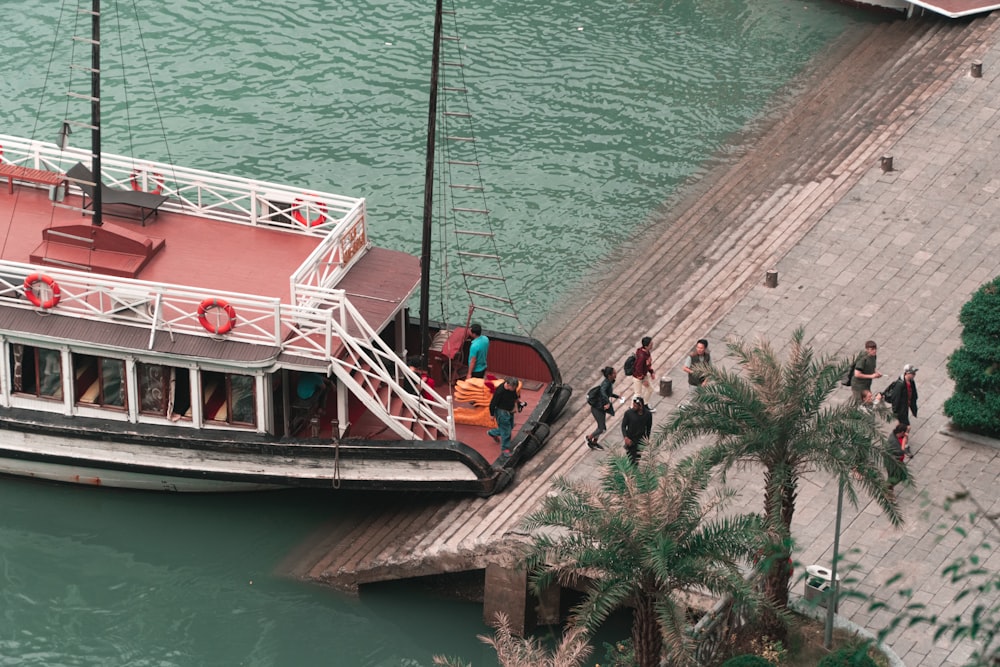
831	601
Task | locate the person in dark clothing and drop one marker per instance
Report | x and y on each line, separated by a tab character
898	447
604	405
637	424
502	409
904	395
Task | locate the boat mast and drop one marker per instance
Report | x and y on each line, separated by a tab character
425	246
95	107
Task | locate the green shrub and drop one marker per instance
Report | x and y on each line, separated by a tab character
848	656
975	367
748	660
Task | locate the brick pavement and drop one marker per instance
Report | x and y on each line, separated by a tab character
894	260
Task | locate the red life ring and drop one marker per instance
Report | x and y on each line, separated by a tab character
226	325
303	220
29	291
157	182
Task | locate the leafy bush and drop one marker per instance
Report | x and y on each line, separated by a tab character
975	367
848	656
748	660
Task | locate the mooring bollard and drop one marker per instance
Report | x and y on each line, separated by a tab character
977	69
666	387
771	278
886	163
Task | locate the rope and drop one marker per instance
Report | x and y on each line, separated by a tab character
444	149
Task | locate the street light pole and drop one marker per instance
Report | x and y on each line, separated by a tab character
834	591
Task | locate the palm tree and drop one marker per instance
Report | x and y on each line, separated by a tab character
640	537
515	651
777	415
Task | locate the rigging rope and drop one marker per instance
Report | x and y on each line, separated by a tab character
481	245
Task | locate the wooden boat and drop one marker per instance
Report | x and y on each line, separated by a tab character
885	6
173	329
953	9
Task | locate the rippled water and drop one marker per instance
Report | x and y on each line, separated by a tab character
589	113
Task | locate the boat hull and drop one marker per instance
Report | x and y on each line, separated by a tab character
94	453
76	473
177	458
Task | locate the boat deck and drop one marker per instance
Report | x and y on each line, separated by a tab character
958	8
215	256
365	425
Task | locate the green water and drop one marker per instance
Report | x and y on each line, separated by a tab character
589	114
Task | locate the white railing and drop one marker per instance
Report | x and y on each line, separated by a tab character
201	193
319	314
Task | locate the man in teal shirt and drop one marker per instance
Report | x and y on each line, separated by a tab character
478	350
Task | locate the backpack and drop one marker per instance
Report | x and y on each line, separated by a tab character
849	375
594	396
630	364
889	393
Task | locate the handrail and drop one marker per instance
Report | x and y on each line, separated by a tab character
201	193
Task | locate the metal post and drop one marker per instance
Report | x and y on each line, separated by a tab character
834	590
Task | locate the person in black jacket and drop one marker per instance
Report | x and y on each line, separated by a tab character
637	424
502	408
602	405
904	395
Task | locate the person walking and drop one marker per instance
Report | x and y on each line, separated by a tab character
903	396
642	373
478	350
899	448
600	400
502	409
637	424
865	370
697	364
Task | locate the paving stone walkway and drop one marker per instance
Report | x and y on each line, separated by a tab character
893	260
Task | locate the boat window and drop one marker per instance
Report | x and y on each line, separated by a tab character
228	398
99	381
36	371
164	390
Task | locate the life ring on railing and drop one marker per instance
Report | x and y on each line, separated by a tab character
226	325
157	182
303	220
29	291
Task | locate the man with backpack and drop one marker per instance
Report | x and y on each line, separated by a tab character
865	370
642	372
599	400
902	394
